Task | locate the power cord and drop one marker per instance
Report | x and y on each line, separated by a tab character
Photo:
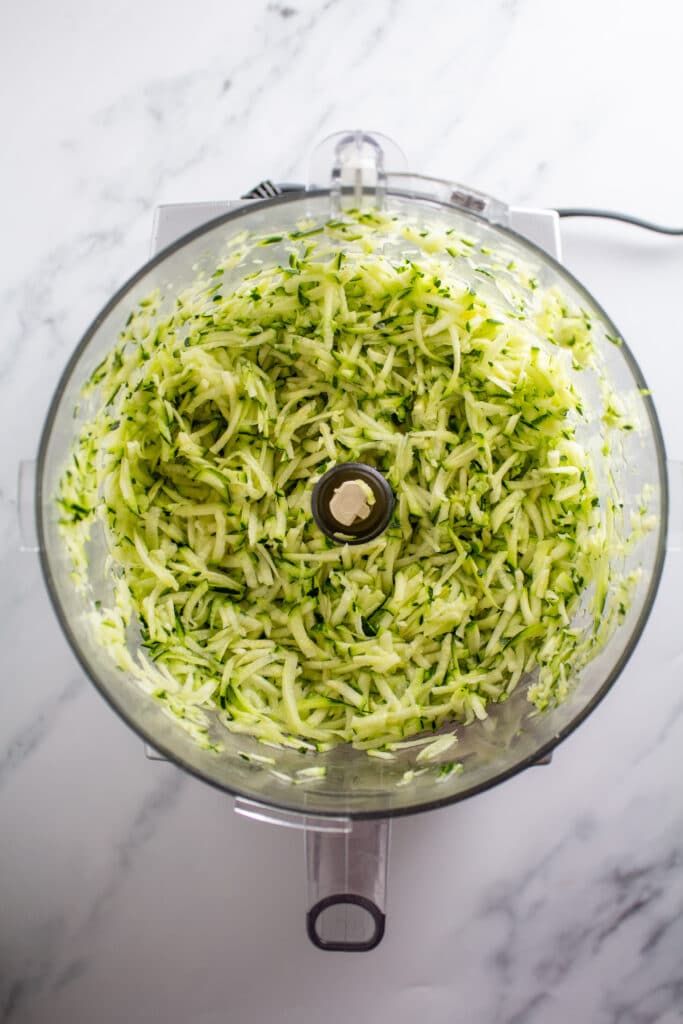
625	217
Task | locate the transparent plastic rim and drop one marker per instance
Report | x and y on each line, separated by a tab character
542	751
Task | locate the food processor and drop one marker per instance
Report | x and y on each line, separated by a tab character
345	812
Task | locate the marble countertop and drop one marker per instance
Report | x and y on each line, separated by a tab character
130	892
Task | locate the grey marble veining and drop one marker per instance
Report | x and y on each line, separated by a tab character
130	892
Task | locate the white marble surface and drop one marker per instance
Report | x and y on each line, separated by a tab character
131	893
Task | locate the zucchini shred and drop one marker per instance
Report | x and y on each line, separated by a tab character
444	366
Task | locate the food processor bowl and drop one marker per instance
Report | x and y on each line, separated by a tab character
355	788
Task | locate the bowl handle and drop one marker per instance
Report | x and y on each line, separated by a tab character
347	884
346	865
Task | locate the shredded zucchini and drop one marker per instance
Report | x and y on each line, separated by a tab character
212	421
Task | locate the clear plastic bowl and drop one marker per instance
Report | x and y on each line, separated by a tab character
355	785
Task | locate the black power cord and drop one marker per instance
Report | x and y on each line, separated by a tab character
268	189
625	217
